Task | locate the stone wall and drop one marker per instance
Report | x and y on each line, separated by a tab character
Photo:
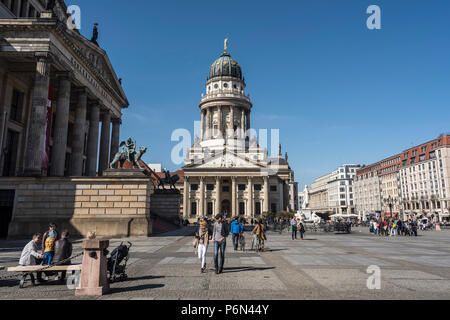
166	205
111	206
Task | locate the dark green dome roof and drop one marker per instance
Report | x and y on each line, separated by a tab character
225	66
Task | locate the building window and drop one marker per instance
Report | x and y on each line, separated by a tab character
10	153
257	187
194	187
241	208
225	189
273	207
257	208
15	112
241	187
193	208
209	187
342	203
273	188
209	209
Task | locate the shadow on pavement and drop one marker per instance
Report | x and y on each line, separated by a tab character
240	269
135	288
145	278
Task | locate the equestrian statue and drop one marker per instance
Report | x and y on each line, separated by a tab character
170	180
129	153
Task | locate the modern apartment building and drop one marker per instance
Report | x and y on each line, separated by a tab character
334	192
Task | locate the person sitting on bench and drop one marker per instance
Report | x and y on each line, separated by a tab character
63	250
31	256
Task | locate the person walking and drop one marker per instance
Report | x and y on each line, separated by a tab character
219	237
236	230
294	228
202	236
259	231
301	229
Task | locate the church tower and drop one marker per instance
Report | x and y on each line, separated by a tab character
225	109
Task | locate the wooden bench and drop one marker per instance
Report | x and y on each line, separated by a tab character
28	270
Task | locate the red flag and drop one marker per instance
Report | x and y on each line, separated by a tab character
48	128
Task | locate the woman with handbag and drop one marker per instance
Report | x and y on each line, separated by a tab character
201	241
259	231
301	229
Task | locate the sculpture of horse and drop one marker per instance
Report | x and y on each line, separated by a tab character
170	180
122	157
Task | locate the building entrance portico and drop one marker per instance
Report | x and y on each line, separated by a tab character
226	208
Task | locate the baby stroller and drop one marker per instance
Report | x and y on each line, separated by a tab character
117	262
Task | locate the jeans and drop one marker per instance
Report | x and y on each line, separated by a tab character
202	254
301	234
48	257
235	238
219	246
294	233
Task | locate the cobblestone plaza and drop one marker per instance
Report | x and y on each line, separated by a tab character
323	266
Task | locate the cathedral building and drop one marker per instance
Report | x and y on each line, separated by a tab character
226	171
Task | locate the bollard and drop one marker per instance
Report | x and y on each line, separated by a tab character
94	278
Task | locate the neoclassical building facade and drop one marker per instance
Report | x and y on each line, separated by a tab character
226	171
58	94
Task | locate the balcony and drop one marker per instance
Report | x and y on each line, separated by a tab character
222	93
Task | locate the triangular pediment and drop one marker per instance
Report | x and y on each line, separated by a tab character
98	60
226	160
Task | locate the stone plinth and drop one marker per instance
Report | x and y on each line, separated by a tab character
166	204
94	274
124	173
110	206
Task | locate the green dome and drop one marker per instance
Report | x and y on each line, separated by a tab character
225	66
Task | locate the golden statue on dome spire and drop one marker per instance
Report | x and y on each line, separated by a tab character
226	44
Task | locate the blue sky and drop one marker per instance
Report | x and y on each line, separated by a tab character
338	92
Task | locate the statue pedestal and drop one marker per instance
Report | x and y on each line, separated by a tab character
94	277
120	173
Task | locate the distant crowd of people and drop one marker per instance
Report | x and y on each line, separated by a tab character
394	227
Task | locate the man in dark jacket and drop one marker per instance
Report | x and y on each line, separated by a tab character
63	250
220	234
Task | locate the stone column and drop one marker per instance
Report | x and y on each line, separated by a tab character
266	194
92	148
280	191
233	197
38	117
202	198
250	212
217	211
186	200
61	125
248	120
232	120
242	135
115	135
207	129
104	143
79	130
203	126
219	125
